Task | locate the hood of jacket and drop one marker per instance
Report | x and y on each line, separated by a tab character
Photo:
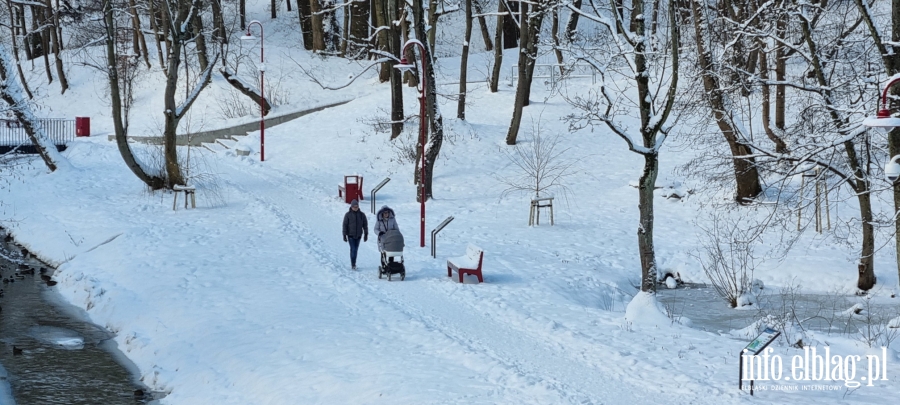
381	212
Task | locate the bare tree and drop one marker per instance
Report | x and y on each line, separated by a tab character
183	11
12	93
542	163
716	95
118	115
888	46
644	57
530	25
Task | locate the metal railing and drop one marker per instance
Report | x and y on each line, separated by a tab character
434	233
375	190
551	71
58	130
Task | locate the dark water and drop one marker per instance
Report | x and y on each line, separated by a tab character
51	354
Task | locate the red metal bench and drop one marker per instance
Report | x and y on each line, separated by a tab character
351	189
468	264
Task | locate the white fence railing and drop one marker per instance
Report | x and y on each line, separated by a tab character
552	72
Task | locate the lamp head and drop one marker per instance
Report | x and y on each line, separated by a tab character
248	36
404	65
892	169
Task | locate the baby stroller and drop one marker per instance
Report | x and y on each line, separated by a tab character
391	247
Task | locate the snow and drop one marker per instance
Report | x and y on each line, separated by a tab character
249	298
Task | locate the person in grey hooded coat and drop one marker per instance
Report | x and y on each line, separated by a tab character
384	221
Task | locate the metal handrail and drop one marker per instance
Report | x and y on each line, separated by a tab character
434	233
58	130
375	190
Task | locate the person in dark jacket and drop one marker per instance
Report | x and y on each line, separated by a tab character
356	226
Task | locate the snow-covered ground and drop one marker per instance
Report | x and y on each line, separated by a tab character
250	299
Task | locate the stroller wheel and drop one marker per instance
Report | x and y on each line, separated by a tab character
389	276
402	276
379	272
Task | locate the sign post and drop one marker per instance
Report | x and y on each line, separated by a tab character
755	347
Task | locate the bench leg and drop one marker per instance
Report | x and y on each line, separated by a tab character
480	278
551	214
531	215
175	201
460	272
193	201
449	272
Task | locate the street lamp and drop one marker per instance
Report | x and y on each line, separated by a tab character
405	66
884	121
262	85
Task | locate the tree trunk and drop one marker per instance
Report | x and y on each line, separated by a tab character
140	42
174	175
530	28
15	48
434	114
510	28
242	11
866	278
45	39
745	172
219	33
54	39
23	26
247	91
463	62
383	27
154	26
780	74
482	23
647	184
397	114
274	7
346	36
200	41
304	13
116	101
780	146
498	50
432	22
359	29
572	24
318	30
11	94
554	33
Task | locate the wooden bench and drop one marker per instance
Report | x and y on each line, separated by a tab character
188	195
468	264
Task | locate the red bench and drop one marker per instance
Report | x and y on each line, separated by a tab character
468	264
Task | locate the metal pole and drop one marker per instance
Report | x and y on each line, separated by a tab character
422	120
262	97
262	89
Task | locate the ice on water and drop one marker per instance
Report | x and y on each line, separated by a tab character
62	337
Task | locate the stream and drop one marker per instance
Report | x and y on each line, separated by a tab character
49	352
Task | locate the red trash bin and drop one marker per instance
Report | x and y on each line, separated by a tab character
351	189
82	126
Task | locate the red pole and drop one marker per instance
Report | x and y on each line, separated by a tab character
262	95
422	141
422	119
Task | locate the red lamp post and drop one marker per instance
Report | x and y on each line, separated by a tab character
262	85
404	66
